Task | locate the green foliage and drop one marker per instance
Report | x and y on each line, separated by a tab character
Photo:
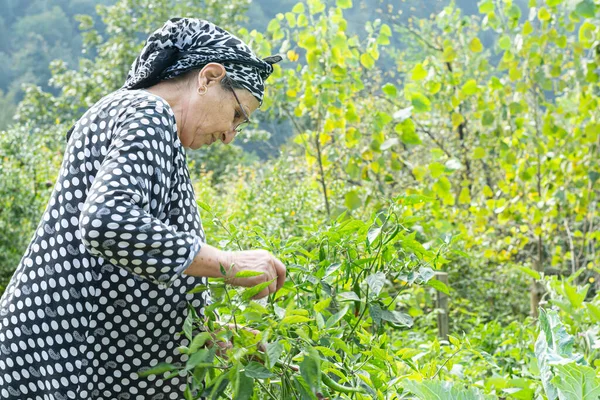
443	390
576	382
28	166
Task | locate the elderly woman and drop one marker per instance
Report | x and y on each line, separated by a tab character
102	290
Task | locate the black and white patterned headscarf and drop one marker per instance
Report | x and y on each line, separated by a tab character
183	44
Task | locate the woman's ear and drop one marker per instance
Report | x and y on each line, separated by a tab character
211	73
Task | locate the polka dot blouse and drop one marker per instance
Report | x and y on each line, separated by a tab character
100	292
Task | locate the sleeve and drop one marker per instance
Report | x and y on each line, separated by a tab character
119	220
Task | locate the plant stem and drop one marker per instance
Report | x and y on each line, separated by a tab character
266	390
446	362
322	172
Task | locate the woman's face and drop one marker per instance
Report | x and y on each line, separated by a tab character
213	116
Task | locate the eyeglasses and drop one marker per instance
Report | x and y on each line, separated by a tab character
242	124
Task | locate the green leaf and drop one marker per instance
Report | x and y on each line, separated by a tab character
449	54
554	345
158	370
327	352
420	102
439	286
323	304
586	9
442	186
201	357
302	388
188	326
344	3
315	6
514	12
367	61
543	14
274	351
375	312
478	153
199	341
397	317
198	289
273	25
418	73
486	7
488	118
376	282
257	371
310	369
575	297
454	340
373	234
465	196
576	382
594	311
504	42
475	45
308	42
253	291
248	274
298	8
348	296
244	385
532	273
335	318
470	87
408	133
204	206
187	394
385	30
352	200
586	32
390	90
437	390
436	169
294	319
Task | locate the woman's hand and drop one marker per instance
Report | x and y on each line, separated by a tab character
209	260
258	261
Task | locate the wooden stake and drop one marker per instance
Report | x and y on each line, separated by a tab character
442	307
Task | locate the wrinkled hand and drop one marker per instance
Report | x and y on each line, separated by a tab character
258	261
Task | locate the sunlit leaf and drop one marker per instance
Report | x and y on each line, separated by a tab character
576	382
344	3
375	282
437	390
294	319
418	73
390	90
253	291
586	9
420	102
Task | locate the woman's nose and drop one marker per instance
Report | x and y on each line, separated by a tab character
227	137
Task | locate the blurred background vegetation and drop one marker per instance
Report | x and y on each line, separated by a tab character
35	32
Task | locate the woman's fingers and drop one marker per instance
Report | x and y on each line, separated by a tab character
260	260
281	273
